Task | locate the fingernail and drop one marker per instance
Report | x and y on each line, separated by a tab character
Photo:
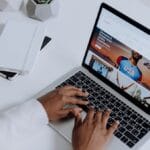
117	121
91	107
99	110
80	110
109	110
87	102
86	93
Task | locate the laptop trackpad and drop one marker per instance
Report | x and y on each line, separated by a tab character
65	127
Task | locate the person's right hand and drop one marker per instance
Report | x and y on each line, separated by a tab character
91	133
55	101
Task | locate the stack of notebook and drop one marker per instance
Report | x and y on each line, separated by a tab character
8	5
20	43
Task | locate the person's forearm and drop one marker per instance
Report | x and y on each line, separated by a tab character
23	119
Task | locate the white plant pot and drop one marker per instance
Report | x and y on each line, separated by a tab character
8	5
42	11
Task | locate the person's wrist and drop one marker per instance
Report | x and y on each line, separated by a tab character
45	106
83	148
80	148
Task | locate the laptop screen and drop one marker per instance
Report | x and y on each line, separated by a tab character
120	52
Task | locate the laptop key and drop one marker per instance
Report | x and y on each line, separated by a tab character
118	134
74	79
87	82
70	82
89	90
146	125
129	112
135	132
144	131
142	134
139	120
117	104
115	110
63	84
129	127
124	139
130	144
138	127
97	89
91	98
133	116
82	78
110	106
85	87
122	129
121	114
126	118
113	115
104	101
131	137
95	94
123	123
132	123
108	96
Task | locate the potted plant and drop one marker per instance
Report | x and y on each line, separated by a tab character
41	9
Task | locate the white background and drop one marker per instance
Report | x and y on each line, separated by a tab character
70	31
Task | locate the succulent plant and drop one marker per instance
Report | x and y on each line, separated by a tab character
42	1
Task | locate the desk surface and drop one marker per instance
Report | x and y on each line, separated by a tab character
70	31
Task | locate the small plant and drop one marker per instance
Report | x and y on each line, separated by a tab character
42	1
41	9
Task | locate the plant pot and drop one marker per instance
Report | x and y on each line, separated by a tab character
42	11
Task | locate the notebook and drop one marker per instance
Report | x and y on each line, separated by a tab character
9	5
20	43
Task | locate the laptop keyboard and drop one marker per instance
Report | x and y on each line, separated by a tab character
132	126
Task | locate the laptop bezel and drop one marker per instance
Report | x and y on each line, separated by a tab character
132	22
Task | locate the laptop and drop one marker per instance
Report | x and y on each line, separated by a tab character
115	71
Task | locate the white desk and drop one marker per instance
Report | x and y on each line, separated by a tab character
70	32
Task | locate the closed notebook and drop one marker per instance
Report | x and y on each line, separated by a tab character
20	43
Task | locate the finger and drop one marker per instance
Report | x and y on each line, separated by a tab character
76	111
98	117
78	121
90	116
76	92
105	118
68	87
70	111
113	128
75	101
62	90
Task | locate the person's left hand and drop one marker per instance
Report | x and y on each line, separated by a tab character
55	102
92	133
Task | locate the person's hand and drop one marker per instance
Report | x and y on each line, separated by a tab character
55	102
91	133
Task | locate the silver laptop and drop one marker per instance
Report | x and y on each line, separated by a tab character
115	71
